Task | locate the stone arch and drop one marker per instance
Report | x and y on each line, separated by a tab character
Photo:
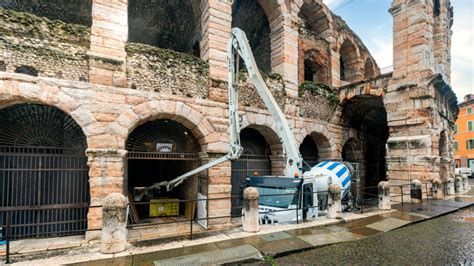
35	94
316	17
168	24
369	68
179	112
42	144
322	144
265	125
350	64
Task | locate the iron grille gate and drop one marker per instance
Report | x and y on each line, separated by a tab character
243	167
41	179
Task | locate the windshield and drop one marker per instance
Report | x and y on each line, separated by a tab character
278	198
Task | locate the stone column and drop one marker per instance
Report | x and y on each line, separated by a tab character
450	187
219	186
416	194
458	184
106	176
250	217
384	196
437	189
114	224
334	202
109	33
466	183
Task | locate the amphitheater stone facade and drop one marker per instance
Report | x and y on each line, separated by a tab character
117	66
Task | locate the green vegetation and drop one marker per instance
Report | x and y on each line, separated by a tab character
318	89
14	23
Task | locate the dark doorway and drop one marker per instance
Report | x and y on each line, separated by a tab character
255	161
161	150
309	151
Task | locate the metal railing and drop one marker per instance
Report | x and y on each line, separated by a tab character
369	200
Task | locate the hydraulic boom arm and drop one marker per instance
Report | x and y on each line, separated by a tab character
238	47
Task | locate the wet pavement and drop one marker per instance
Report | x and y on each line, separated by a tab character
444	240
447	239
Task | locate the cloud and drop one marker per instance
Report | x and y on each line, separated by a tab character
381	49
462	46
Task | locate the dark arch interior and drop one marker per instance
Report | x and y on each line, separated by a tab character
161	150
69	11
249	16
170	24
255	160
28	70
43	162
27	125
309	151
368	117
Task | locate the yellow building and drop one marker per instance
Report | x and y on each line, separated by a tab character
464	134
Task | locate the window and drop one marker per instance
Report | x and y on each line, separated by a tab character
455	129
470	144
470	126
469	110
455	145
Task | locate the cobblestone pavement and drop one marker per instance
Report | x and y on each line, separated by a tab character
444	240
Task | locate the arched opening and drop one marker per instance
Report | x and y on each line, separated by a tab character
43	166
367	117
369	69
309	151
349	63
161	150
254	161
169	24
443	153
314	18
315	66
75	12
249	16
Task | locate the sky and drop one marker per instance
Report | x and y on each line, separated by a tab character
372	22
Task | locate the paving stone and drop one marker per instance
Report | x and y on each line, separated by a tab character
364	231
282	246
251	240
214	257
388	224
319	240
170	253
275	236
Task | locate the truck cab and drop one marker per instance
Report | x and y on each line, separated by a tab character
285	200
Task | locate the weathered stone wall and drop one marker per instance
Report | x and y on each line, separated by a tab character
166	71
53	48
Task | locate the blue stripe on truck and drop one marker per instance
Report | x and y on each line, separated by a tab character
334	165
344	183
341	172
323	164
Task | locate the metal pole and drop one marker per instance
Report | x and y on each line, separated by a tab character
191	228
401	192
297	206
8	239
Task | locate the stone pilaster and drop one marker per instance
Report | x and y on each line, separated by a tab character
109	33
219	186
106	176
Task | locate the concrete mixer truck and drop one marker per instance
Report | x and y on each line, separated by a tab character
283	207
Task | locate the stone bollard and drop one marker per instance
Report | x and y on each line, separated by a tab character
450	186
114	224
334	202
415	191
458	184
250	217
384	196
466	183
437	189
